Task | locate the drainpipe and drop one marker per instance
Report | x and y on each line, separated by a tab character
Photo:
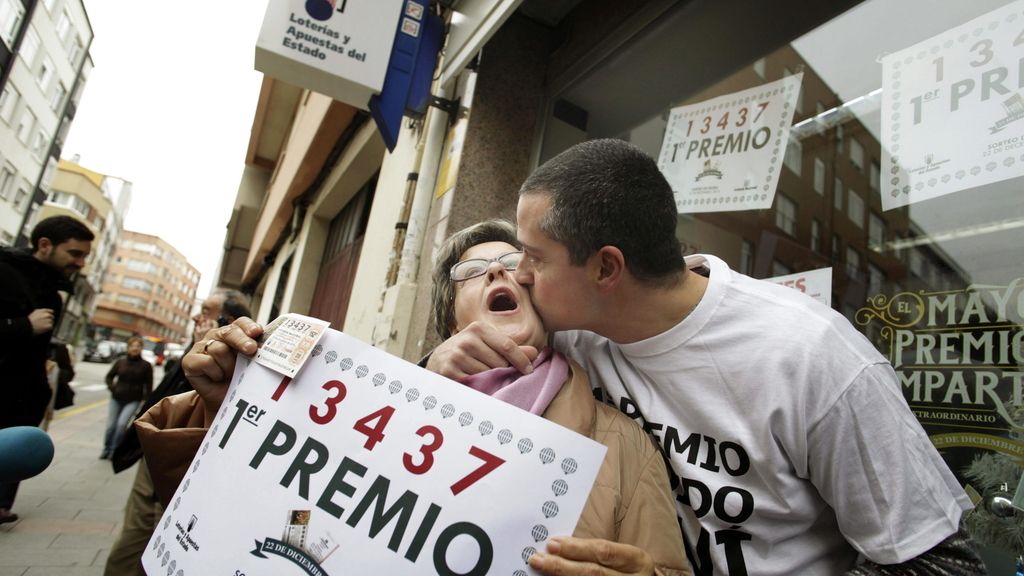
434	137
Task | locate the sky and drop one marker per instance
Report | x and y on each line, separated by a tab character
169	107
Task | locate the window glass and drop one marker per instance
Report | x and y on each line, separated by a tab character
917	121
29	46
11	12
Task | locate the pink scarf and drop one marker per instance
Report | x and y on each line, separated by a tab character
531	392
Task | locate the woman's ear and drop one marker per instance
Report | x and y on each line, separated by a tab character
610	265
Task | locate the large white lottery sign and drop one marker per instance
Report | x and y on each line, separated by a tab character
365	464
725	154
952	110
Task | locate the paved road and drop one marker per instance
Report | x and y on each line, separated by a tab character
71	513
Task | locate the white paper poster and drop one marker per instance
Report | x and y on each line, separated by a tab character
366	464
725	154
952	110
815	283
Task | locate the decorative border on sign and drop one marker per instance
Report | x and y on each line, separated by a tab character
902	185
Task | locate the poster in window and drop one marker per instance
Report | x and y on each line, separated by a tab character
725	154
952	110
958	354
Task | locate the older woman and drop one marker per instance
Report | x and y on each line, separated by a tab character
631	501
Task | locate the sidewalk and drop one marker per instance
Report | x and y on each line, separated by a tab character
71	513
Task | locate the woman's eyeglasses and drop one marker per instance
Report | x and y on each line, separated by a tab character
469	269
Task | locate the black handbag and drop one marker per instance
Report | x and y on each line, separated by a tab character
64	396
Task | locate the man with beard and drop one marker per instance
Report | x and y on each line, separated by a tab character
30	308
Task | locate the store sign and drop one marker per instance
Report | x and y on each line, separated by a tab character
726	153
366	464
959	356
338	48
815	283
952	111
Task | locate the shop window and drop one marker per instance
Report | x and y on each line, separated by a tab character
819	176
785	214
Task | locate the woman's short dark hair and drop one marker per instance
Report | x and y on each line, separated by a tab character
610	193
60	229
443	293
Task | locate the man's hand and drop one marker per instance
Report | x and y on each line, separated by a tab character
591	557
477	348
41	320
211	361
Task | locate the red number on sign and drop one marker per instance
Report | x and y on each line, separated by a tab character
427	450
490	463
330	404
280	388
374	433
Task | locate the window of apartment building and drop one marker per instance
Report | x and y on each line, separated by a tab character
747	257
837	194
780	269
840	137
133	301
21	196
136	284
45	74
794	156
40	144
8	101
835	248
852	262
819	176
874	176
11	12
70	201
855	208
876	231
7	174
63	27
49	4
815	235
75	51
57	97
29	47
857	154
785	214
26	123
876	279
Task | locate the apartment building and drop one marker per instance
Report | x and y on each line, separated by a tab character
101	202
148	290
44	66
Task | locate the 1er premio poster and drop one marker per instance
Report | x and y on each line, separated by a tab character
366	464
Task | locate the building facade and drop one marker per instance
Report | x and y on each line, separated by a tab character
148	291
45	65
913	235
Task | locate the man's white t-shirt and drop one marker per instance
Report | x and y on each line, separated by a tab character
787	432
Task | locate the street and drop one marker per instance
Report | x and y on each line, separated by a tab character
71	513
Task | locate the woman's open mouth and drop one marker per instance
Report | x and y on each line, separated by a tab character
502	300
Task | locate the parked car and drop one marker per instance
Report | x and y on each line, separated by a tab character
104	350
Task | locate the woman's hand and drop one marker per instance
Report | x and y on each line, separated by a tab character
211	361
